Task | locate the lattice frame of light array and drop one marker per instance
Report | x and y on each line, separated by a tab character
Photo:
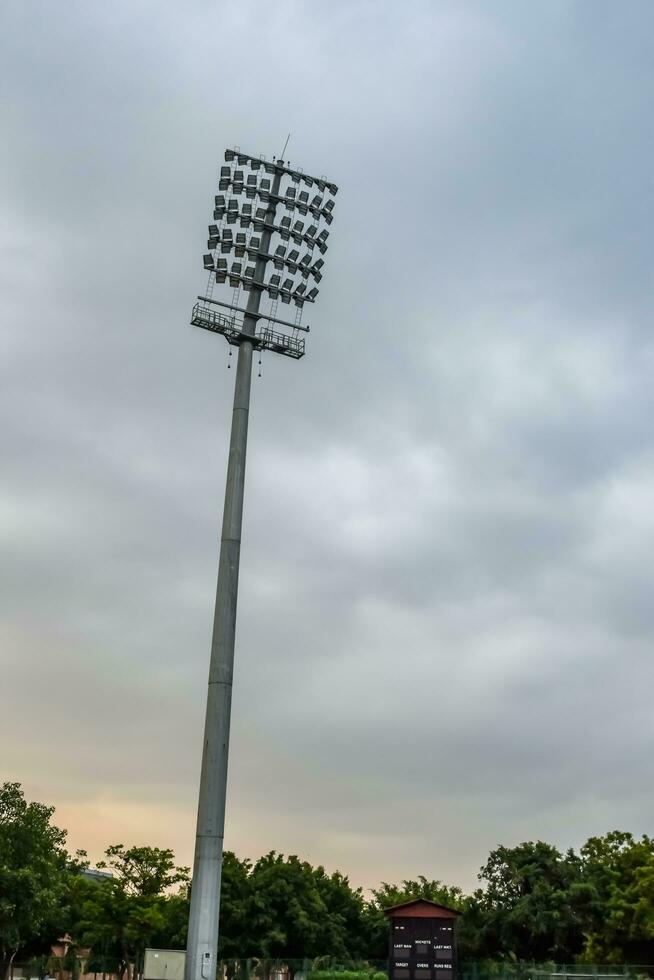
252	221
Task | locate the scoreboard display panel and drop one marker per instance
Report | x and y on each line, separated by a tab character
422	946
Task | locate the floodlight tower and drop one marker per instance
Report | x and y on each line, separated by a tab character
263	239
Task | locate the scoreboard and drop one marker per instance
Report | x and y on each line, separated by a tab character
422	945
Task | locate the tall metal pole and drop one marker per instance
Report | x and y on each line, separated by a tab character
202	943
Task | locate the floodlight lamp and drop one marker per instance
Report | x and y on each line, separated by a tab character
269	168
212	243
242	159
287	284
301	289
252	180
328	205
311	295
316	201
322	184
303	197
311	231
293	255
219	200
255	244
208	261
318	264
306	259
290	193
308	180
255	164
239	175
322	248
229	155
298	227
213	231
223	183
323	236
225	172
327	217
249	272
275	281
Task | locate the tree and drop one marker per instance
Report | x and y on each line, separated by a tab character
144	871
296	911
388	895
122	915
235	932
536	905
621	871
33	868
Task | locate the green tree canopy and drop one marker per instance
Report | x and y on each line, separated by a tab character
295	910
33	869
124	914
621	871
536	905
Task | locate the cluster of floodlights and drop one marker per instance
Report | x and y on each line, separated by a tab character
288	261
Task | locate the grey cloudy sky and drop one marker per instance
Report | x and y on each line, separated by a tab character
446	620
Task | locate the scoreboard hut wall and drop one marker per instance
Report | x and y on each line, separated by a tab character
422	948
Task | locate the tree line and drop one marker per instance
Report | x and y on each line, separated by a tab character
534	903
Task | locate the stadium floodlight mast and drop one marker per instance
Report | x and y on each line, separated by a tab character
261	240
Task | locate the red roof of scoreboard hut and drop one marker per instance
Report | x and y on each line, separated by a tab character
421	908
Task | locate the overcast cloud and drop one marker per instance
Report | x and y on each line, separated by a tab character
445	615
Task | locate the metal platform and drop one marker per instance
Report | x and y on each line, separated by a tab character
232	330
